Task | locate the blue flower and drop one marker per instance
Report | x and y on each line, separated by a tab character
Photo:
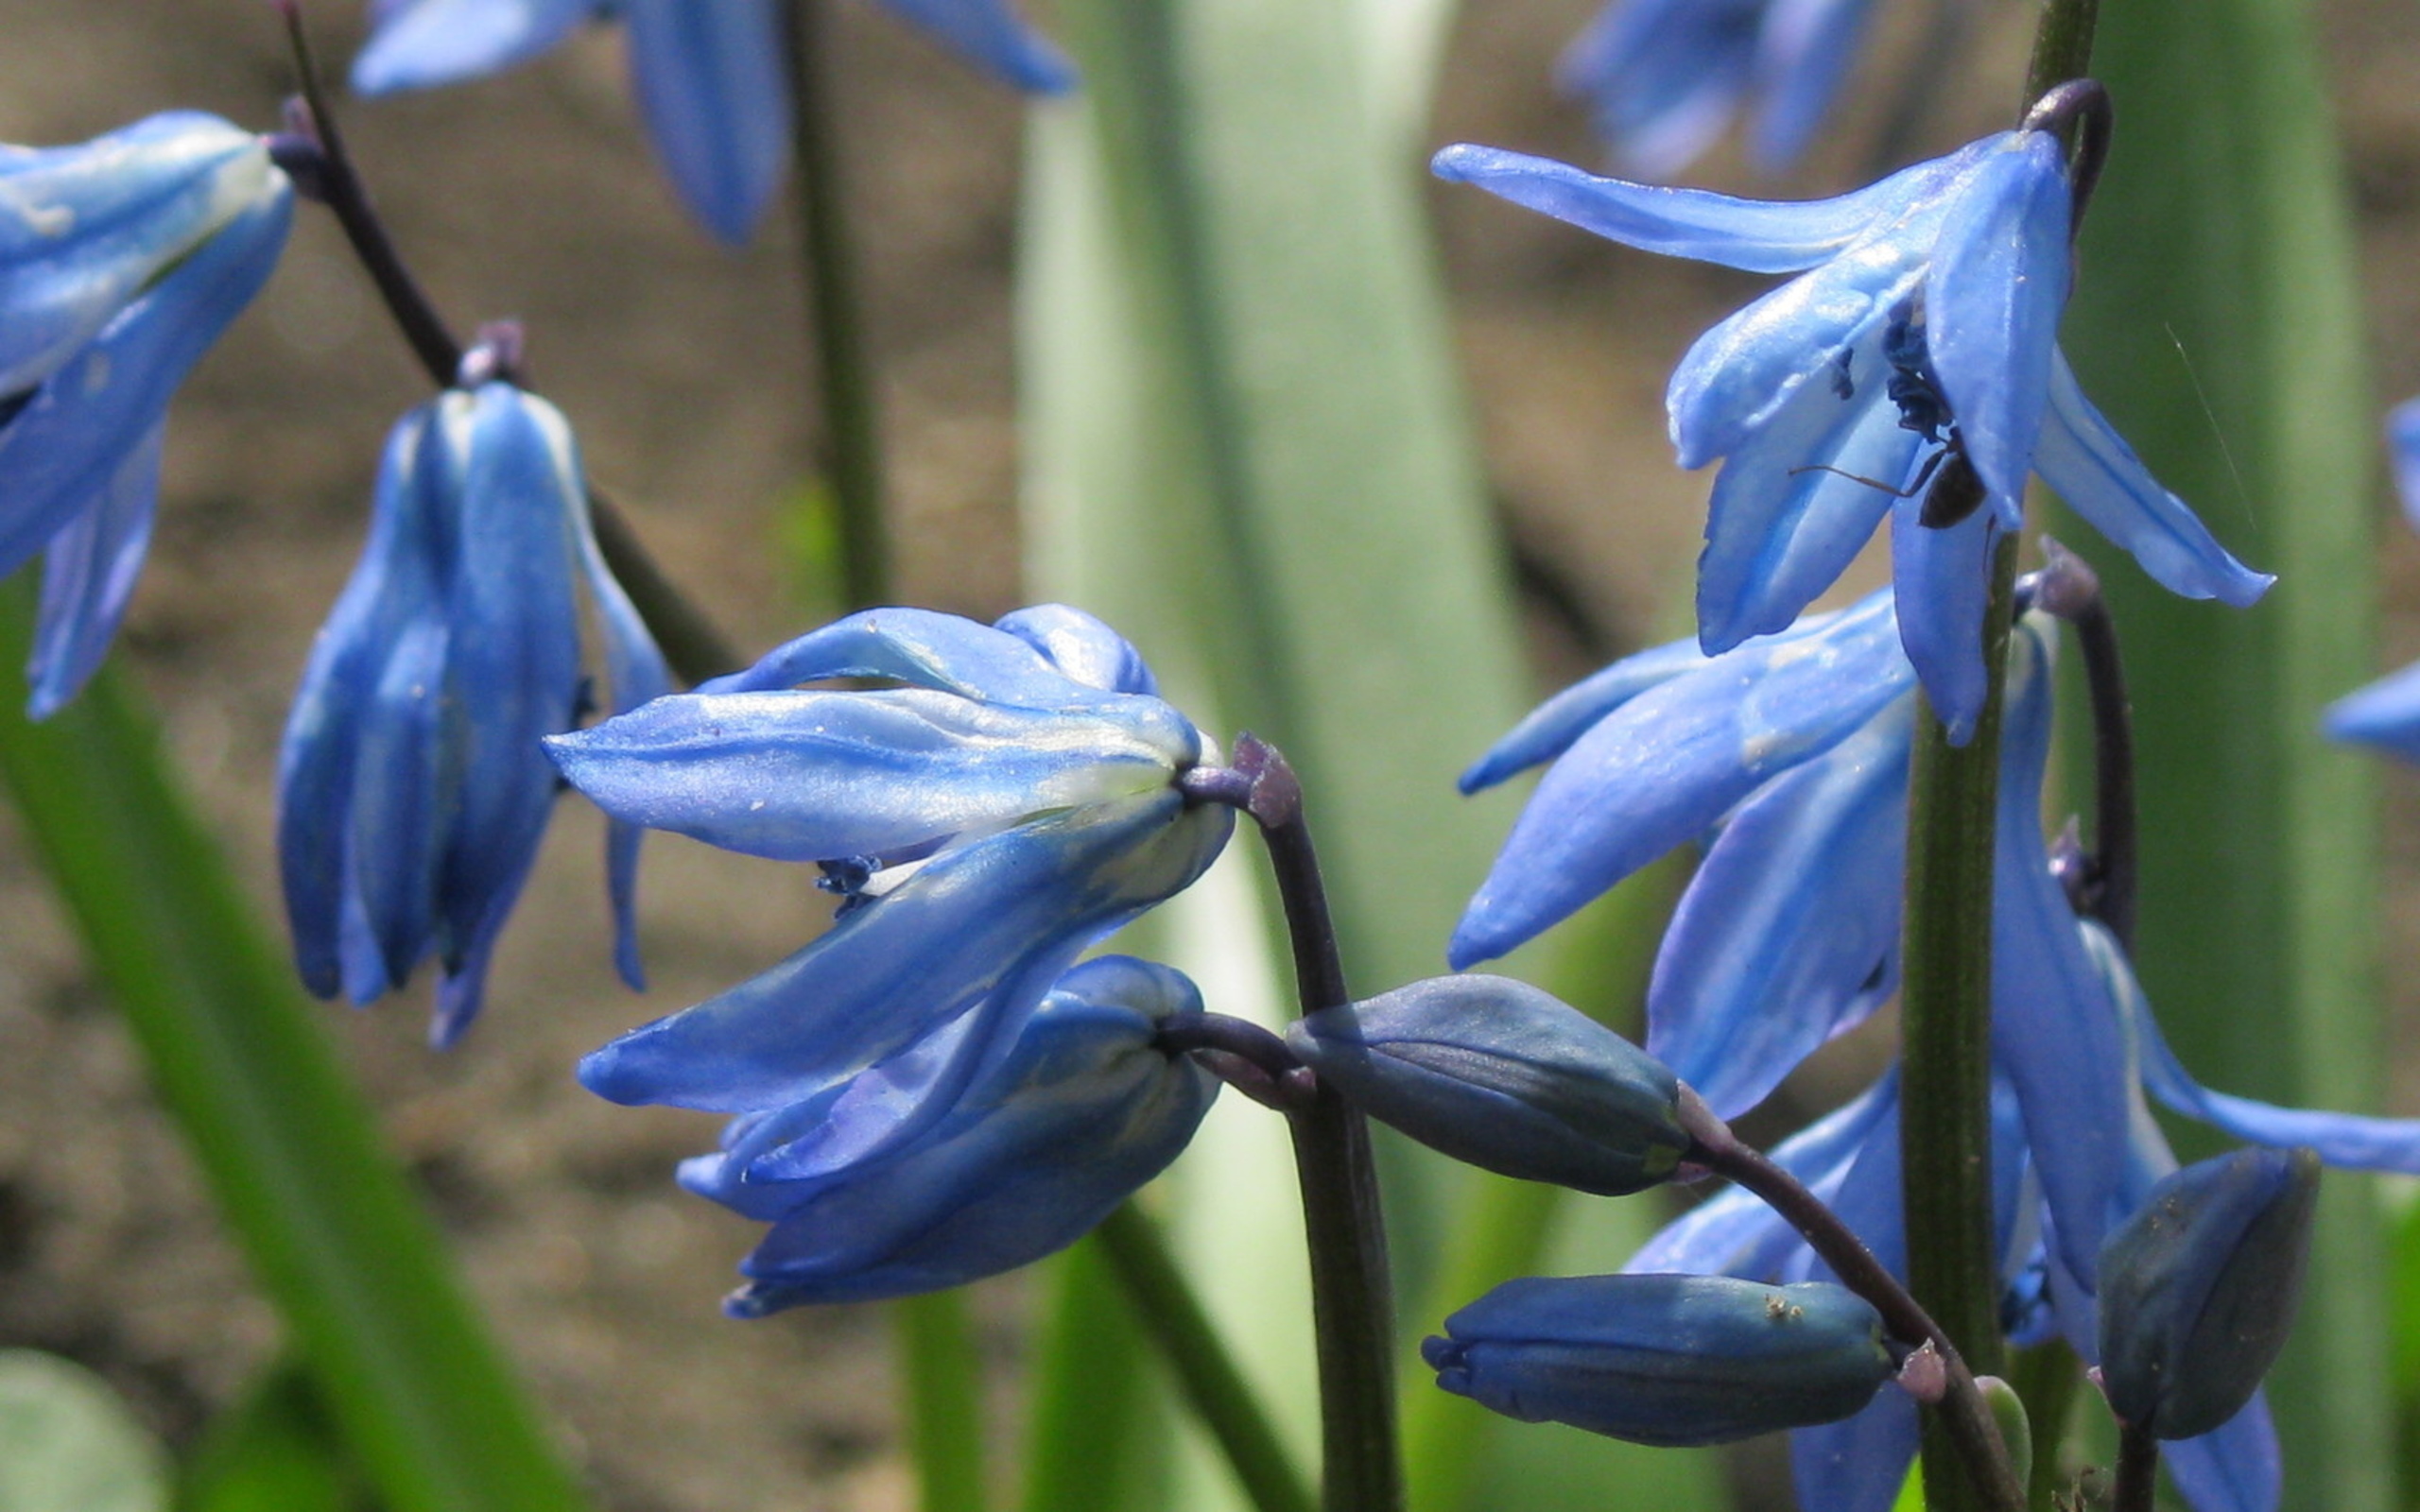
708	74
1924	324
1792	753
121	260
1665	77
412	789
1078	1110
2386	713
1010	805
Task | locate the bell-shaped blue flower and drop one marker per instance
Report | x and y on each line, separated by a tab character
1078	1109
121	260
1921	334
708	74
1665	77
413	789
2386	713
987	822
1673	1361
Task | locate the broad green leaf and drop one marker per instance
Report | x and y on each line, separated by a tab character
67	1444
2215	322
337	1239
276	1451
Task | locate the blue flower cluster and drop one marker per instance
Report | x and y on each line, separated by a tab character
708	74
121	260
2387	712
933	1090
412	790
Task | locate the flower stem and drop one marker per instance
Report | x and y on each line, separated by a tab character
1138	1256
1945	1025
943	1381
1963	1416
2138	1470
2068	589
2061	46
844	377
1351	1298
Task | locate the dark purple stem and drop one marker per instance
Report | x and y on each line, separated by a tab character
2079	112
2138	1470
2068	589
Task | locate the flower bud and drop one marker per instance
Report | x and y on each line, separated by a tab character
2198	1288
1673	1361
1501	1075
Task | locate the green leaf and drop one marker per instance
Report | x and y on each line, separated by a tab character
335	1235
277	1450
2216	322
67	1444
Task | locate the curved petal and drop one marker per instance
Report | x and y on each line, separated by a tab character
1941	578
423	43
1662	78
402	774
88	574
1785	934
989	34
1759	235
1662	769
1803	54
2235	1468
1082	647
827	776
636	667
920	647
924	953
1549	730
2386	713
1993	299
710	81
2089	465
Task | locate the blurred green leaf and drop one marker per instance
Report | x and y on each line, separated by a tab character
67	1444
276	1451
2217	322
337	1238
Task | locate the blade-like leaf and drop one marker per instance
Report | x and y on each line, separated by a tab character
338	1241
278	1450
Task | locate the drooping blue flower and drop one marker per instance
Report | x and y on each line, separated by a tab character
1079	1111
412	788
986	823
2386	713
121	260
1665	77
708	74
1920	334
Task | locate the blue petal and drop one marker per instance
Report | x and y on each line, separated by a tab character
63	451
1082	647
1663	768
920	647
636	667
1942	579
85	230
919	955
423	43
1662	76
1548	730
2054	1030
2386	714
88	574
1993	299
2090	466
827	776
1803	54
401	780
1859	1464
2403	445
710	81
1785	521
2235	1468
989	34
1784	935
1760	235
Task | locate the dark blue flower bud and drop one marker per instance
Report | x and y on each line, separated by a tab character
1673	1361
2198	1288
1501	1075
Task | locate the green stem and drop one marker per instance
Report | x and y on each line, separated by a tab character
1946	1030
845	381
2061	46
2044	1379
943	1378
1139	1256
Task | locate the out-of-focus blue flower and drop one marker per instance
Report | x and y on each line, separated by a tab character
412	789
1077	1111
2386	713
1923	321
1664	78
708	74
1791	754
121	260
1673	1361
986	823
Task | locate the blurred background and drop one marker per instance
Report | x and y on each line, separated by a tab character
681	363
